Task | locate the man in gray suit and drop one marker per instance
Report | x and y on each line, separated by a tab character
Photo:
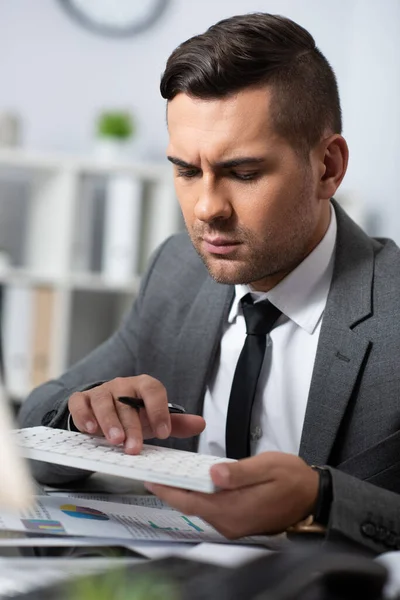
255	139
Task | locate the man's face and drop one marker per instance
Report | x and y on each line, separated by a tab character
250	203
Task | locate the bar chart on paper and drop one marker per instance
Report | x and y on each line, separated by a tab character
43	526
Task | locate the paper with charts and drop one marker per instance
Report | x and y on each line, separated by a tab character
80	517
187	470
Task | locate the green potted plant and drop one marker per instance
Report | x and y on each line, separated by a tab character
115	130
116	585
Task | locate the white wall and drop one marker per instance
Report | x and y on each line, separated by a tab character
371	105
58	76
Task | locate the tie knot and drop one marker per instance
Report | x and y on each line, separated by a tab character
260	317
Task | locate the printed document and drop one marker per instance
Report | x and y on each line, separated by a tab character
82	517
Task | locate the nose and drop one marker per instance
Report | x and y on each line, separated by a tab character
212	202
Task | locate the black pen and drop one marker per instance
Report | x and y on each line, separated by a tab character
138	403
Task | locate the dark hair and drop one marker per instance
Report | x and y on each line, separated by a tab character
260	49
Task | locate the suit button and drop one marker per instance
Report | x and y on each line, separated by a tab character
368	529
256	434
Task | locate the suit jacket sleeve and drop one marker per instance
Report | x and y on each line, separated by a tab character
47	404
364	514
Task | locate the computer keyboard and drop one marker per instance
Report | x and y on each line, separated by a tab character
155	464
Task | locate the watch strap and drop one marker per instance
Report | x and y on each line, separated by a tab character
325	496
317	522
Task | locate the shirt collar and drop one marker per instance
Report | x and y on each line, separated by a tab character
302	294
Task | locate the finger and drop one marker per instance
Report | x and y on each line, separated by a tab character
183	426
246	472
81	413
147	431
130	421
154	396
103	407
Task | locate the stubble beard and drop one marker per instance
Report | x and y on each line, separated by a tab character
279	252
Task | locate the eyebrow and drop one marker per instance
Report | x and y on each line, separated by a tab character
224	164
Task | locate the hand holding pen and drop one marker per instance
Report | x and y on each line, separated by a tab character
107	409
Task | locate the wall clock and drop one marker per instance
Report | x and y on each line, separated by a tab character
115	18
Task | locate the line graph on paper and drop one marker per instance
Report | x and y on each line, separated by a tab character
167	525
188	521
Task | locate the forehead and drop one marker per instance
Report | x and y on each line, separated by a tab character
235	124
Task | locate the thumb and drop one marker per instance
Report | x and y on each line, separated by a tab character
242	473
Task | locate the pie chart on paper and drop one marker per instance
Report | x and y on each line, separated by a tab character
83	512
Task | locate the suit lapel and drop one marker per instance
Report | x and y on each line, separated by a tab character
198	345
341	350
339	362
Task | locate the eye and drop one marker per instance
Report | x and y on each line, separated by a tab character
188	173
250	176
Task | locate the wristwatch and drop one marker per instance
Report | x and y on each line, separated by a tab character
318	521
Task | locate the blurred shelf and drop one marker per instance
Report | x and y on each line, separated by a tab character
79	281
25	159
55	309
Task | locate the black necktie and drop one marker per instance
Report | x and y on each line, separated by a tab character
260	319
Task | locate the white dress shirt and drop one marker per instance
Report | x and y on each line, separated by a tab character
283	386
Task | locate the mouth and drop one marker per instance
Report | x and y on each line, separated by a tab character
220	245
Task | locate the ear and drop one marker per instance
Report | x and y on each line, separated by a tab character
333	157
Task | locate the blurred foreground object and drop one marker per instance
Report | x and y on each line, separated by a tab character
119	586
295	575
16	488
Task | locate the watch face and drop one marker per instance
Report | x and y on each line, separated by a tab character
116	18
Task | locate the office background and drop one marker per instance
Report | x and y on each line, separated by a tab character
56	76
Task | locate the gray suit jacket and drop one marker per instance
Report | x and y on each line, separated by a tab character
352	421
